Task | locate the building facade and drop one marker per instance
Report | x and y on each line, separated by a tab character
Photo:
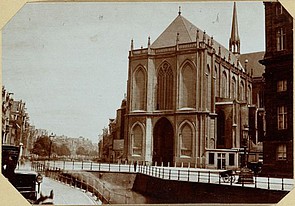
278	61
188	99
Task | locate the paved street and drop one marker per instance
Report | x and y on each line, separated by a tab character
65	195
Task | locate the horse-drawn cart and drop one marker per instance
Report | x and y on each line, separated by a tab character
228	176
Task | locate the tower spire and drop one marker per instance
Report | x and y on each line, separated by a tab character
234	40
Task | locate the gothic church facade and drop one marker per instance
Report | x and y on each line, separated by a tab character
187	99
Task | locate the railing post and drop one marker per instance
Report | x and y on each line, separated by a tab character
64	166
209	177
169	174
82	165
188	175
73	164
163	172
129	167
198	176
219	177
109	166
178	174
282	183
268	187
99	166
255	181
90	165
119	167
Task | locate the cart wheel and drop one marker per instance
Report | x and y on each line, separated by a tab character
225	178
233	178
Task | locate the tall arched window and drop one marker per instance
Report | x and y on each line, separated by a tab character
137	138
139	90
233	88
249	96
224	88
242	91
165	87
208	89
187	93
216	82
185	139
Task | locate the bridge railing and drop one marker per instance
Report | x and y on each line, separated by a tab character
173	173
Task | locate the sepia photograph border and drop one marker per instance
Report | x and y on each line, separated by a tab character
8	194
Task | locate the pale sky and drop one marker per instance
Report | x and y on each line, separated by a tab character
69	61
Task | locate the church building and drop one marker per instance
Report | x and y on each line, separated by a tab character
188	99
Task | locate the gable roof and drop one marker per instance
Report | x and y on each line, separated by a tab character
187	34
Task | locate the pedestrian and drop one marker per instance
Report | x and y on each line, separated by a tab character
135	165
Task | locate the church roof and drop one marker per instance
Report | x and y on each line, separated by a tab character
187	34
253	64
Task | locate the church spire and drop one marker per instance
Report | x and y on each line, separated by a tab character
234	40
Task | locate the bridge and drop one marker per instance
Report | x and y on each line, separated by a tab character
187	174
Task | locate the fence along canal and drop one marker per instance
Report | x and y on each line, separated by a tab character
56	170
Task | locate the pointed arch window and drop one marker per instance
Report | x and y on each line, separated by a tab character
185	139
233	88
187	94
136	139
139	90
249	96
242	91
208	88
165	87
224	88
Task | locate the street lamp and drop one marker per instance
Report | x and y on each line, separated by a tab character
246	175
50	145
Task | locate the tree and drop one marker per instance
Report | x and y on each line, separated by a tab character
63	150
81	151
42	146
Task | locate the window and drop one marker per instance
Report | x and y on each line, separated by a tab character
139	90
279	9
282	152
165	87
281	39
224	85
186	137
282	85
233	88
282	117
242	91
137	136
231	159
187	92
211	158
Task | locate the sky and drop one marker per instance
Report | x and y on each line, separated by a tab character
69	61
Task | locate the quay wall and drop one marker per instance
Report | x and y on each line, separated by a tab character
192	192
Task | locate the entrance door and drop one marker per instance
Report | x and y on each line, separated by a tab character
221	161
163	150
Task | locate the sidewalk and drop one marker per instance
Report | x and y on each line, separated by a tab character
66	195
62	194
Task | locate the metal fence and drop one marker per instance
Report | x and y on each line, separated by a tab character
171	173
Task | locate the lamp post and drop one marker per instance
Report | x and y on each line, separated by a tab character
50	145
246	175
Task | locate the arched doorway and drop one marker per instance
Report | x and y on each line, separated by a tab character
163	146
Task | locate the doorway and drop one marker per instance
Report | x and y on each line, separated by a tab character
163	146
